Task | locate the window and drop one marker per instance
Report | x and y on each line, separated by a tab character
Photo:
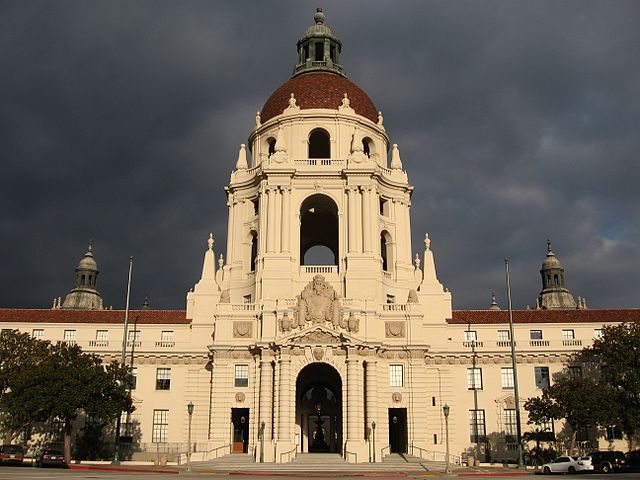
384	207
542	377
614	433
133	382
474	378
37	333
246	299
470	336
166	336
476	421
546	432
575	371
535	334
503	335
126	425
506	375
396	375
69	335
271	150
391	298
597	333
568	334
510	428
133	336
163	379
160	426
254	251
319	50
242	376
102	335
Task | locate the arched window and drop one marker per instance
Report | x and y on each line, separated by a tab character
319	144
254	250
271	146
386	251
318	231
368	146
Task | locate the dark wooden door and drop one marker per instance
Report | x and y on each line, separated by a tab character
398	430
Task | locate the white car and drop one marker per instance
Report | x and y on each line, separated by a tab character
568	464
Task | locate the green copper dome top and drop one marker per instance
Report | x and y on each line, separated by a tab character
319	49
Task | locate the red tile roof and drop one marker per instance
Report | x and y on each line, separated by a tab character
160	317
464	317
319	90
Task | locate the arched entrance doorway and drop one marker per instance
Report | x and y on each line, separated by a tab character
319	408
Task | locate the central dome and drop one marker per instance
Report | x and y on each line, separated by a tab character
319	90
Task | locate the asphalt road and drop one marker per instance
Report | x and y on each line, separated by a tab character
29	473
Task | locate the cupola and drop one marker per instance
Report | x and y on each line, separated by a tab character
85	296
319	49
554	294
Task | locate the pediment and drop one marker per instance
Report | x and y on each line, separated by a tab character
318	335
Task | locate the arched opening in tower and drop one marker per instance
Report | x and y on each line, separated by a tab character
319	144
319	231
319	408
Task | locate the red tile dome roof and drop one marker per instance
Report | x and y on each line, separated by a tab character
319	90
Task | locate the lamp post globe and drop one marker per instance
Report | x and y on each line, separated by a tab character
190	412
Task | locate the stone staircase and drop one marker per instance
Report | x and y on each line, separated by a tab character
320	463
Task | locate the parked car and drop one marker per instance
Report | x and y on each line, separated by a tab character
51	458
633	460
11	454
568	464
606	462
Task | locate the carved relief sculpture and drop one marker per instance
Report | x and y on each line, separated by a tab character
394	329
318	303
242	329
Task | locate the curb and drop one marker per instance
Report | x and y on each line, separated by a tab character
121	469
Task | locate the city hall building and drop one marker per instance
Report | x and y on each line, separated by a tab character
320	330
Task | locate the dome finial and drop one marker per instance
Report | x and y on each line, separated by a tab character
549	252
90	247
494	304
319	16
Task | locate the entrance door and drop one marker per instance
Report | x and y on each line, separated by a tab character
240	421
398	430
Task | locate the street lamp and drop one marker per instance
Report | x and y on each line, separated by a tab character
445	411
373	433
190	412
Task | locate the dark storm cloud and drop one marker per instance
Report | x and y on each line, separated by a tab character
517	121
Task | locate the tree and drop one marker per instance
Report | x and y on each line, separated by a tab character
60	382
580	401
617	355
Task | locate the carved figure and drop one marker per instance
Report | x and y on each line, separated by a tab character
225	297
318	303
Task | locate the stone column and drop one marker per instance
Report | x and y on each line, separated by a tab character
286	219
366	220
371	377
355	410
358	202
230	228
351	241
266	397
284	399
271	224
278	219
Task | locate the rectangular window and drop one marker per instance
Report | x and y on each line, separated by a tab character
163	379
575	371
470	336
133	336
474	378
160	426
134	378
597	333
166	336
510	425
535	334
126	425
69	335
477	426
546	432
542	377
391	298
568	334
396	375
242	376
503	335
246	299
102	335
506	376
614	433
37	333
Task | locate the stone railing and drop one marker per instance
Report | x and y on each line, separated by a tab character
394	307
162	344
572	343
315	269
247	307
98	343
321	162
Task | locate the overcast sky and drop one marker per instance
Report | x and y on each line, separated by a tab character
517	121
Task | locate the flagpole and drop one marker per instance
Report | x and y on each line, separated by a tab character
514	366
123	357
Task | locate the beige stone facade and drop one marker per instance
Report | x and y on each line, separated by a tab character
281	353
